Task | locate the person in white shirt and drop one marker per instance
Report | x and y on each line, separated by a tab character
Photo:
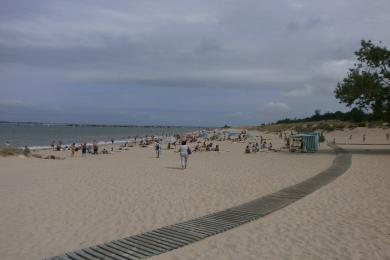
184	151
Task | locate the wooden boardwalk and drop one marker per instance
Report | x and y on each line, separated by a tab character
168	238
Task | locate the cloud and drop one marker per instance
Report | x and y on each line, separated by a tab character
12	103
306	91
57	52
275	106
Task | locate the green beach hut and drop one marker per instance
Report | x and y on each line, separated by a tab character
308	142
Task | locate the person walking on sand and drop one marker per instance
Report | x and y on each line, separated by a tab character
184	151
387	136
157	148
73	149
364	138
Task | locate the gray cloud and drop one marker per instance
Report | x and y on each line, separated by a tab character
284	52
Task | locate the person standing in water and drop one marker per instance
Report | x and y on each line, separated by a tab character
184	151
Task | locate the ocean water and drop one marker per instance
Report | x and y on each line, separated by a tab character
39	136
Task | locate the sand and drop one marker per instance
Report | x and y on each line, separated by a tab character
49	207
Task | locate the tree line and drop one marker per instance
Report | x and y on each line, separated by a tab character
355	115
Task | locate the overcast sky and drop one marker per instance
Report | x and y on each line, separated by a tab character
180	62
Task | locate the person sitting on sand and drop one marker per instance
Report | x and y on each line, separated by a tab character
257	147
270	146
254	148
53	157
216	148
247	149
105	151
197	148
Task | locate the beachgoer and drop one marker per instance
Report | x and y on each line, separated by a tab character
184	151
364	137
26	151
350	137
59	146
73	149
52	145
95	147
387	136
247	149
157	148
254	150
216	148
112	141
270	146
84	149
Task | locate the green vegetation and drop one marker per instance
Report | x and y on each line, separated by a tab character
9	151
367	85
355	116
325	122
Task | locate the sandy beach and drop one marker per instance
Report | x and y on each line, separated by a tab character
49	207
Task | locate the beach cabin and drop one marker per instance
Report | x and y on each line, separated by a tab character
304	142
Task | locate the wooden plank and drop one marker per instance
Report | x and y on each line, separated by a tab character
96	254
107	253
173	236
186	233
85	255
156	242
141	250
116	252
165	240
125	250
155	250
74	256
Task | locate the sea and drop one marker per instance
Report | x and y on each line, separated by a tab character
42	135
